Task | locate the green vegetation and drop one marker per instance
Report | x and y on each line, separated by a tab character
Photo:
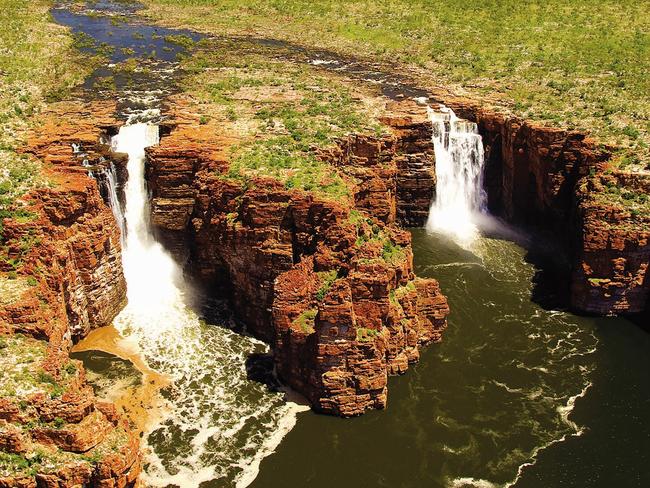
181	40
21	373
372	236
327	279
20	246
37	64
12	463
306	320
283	110
366	335
402	291
572	63
280	159
38	461
42	459
391	253
637	201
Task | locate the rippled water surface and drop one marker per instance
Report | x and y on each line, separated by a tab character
513	394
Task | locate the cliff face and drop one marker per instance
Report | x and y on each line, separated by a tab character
395	173
330	287
560	181
612	275
68	258
554	179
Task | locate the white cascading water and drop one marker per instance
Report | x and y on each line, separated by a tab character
219	424
111	182
460	197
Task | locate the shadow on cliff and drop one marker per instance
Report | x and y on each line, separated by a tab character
551	282
211	303
260	368
642	320
547	255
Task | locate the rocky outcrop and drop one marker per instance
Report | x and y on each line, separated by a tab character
555	180
337	341
612	273
395	173
331	288
68	258
549	178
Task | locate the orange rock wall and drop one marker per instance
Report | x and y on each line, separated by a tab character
75	263
267	244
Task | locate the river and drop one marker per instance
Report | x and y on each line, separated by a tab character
515	395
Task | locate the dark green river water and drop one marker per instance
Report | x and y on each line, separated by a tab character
508	379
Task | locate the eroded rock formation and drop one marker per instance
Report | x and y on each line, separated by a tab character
395	173
613	257
68	259
330	287
559	181
556	180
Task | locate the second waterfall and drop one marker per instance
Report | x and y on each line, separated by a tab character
460	197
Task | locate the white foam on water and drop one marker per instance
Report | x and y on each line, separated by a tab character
219	424
564	412
467	482
460	197
547	369
270	444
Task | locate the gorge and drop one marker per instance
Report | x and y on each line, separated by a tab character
228	287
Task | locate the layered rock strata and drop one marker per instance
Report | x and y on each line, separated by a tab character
395	173
613	258
559	181
331	288
66	267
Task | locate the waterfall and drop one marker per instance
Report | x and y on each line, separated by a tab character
459	171
107	177
111	183
149	271
217	423
155	301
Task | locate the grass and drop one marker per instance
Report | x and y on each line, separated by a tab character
307	320
636	201
284	111
327	279
21	373
373	239
402	291
37	64
366	335
44	459
571	63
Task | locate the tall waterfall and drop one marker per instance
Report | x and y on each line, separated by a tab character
459	170
150	272
218	425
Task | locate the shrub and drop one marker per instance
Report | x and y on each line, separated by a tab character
366	335
306	320
327	280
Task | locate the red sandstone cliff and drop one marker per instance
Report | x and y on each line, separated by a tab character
556	180
69	256
333	291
